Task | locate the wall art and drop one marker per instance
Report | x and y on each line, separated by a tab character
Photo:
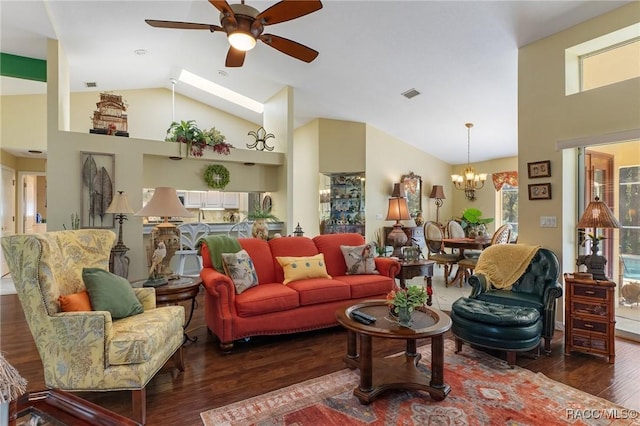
98	171
540	191
539	169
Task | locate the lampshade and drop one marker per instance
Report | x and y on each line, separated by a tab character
398	190
120	204
598	215
437	192
164	203
398	209
241	40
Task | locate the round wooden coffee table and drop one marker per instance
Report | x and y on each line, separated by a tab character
401	372
175	291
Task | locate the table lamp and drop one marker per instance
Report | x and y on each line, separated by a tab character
165	236
597	215
438	193
118	261
398	210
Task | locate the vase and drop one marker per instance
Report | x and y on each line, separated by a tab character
404	316
259	229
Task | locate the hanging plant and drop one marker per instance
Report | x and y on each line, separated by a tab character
216	176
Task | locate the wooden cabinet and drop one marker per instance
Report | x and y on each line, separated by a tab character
589	316
211	200
193	199
342	206
230	200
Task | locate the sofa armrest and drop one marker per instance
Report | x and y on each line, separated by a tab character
146	296
551	293
387	266
479	284
221	288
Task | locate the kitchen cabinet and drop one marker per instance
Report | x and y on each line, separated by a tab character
211	200
589	316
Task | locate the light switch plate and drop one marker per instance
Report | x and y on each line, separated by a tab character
548	222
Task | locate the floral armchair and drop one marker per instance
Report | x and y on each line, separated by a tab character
88	350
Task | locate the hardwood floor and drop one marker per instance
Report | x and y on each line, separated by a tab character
263	364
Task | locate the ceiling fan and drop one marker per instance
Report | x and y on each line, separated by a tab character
244	25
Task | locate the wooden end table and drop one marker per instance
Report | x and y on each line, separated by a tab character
400	372
175	291
417	268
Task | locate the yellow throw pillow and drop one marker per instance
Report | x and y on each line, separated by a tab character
301	268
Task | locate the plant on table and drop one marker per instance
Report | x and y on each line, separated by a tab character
403	301
473	223
260	216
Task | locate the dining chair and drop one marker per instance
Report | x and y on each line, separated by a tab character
435	245
190	233
455	230
468	264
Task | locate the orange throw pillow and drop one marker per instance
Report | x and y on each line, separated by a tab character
75	302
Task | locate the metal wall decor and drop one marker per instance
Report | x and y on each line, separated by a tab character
261	136
97	190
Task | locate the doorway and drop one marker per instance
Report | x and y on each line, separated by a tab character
7	210
32	203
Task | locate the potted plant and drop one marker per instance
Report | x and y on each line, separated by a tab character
403	301
197	140
260	216
473	223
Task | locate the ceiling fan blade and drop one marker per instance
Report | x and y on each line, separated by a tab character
182	25
287	10
235	57
290	47
225	9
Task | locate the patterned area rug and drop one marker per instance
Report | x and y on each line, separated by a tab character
484	391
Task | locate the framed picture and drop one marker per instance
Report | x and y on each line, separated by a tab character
540	191
413	189
539	169
97	190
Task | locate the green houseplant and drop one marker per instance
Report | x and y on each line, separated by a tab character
473	223
403	301
260	217
197	140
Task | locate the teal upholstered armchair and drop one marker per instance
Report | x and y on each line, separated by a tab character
537	287
89	350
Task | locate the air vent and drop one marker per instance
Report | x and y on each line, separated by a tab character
91	84
411	93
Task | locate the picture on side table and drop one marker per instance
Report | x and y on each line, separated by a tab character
539	169
540	191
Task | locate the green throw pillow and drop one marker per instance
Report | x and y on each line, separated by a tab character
110	292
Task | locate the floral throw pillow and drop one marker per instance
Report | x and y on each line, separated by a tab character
360	259
239	267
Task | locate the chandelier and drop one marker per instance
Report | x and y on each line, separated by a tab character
469	180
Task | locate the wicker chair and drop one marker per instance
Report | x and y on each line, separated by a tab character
501	236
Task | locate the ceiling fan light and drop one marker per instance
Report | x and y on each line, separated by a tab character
241	40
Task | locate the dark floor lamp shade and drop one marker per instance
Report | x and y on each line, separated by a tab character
596	215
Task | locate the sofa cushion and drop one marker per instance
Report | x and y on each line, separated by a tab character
329	245
301	268
266	298
367	285
290	246
320	290
138	338
260	253
75	302
239	267
111	292
360	259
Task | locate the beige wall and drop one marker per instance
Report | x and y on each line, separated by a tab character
342	146
546	116
306	173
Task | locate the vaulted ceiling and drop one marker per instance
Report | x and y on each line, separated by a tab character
462	56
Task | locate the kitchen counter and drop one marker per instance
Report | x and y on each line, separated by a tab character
219	227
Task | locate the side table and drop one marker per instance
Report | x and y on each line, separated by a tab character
175	291
417	268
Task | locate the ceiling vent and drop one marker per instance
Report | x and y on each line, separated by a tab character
411	93
91	84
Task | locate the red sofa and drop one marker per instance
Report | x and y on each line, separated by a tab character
271	307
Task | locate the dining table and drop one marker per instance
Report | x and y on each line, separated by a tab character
462	244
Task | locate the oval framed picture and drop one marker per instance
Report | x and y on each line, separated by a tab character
266	203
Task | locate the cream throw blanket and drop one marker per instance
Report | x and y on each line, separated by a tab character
503	264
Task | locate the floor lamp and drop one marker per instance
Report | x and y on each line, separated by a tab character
597	215
437	192
165	237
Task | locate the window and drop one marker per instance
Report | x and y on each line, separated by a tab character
610	65
508	208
